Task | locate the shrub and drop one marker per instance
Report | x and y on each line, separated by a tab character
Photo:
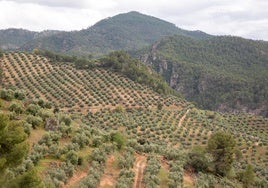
20	94
81	139
57	175
7	94
46	139
205	180
247	177
173	154
99	155
198	160
97	141
33	109
44	114
119	139
53	150
65	130
65	118
18	108
30	179
125	179
27	128
34	121
72	157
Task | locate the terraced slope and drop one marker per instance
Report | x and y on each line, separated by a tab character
78	90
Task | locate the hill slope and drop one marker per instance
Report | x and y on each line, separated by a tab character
78	89
116	130
220	73
128	31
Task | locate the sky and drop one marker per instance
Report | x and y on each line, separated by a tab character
245	18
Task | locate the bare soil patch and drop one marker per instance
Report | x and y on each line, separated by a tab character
110	174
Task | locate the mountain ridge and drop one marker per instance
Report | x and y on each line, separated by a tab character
12	38
126	31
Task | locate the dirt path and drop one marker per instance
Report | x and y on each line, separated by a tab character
139	166
183	117
110	174
188	180
77	177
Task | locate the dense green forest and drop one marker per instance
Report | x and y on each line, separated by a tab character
220	73
13	39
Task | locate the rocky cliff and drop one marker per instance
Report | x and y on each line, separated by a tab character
208	85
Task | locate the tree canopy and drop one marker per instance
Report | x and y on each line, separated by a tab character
121	62
222	147
13	145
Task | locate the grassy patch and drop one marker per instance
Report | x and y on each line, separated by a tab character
163	177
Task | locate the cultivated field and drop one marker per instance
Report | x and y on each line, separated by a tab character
113	132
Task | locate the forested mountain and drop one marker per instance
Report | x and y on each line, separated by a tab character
220	73
12	39
129	31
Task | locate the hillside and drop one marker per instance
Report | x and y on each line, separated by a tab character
95	127
77	89
13	39
221	73
129	31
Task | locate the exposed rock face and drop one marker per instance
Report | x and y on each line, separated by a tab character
51	124
208	91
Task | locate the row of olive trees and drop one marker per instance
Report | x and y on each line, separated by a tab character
126	175
9	94
175	175
151	172
99	156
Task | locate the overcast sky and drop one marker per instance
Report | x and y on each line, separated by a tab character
246	18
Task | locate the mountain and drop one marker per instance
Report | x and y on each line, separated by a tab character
13	39
220	73
129	31
67	125
211	71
